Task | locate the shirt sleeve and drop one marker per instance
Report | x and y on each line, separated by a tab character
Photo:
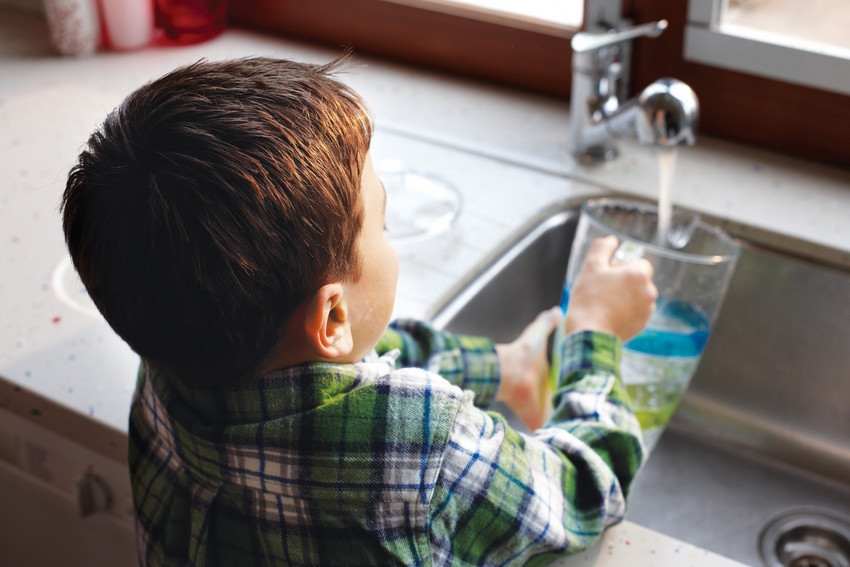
513	499
465	361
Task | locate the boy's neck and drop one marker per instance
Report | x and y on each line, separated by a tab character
292	348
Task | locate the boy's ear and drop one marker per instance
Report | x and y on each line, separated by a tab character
327	323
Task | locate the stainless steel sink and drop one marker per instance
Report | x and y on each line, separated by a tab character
761	441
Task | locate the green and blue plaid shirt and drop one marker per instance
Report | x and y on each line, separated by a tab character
384	462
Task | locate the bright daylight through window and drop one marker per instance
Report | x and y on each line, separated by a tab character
558	14
823	21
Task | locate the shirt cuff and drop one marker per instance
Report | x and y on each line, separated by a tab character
589	350
480	363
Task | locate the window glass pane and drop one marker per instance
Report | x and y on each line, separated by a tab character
565	12
552	13
821	21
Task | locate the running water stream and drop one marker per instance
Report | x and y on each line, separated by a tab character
666	169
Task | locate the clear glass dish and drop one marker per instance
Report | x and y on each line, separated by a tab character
420	206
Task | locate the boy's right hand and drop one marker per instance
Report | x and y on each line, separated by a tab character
616	299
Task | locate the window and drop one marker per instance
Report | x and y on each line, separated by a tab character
546	16
803	43
821	21
803	118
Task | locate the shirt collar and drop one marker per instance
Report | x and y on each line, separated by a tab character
274	395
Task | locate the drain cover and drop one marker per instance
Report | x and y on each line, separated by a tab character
806	537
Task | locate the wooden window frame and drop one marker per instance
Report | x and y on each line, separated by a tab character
472	47
801	121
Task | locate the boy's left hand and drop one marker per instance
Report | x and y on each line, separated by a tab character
525	371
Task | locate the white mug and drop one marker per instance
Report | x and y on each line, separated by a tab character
74	26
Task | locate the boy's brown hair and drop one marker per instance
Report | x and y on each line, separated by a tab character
211	203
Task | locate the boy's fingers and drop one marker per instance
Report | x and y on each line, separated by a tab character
601	250
643	266
551	318
543	324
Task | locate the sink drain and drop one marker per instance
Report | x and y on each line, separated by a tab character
806	537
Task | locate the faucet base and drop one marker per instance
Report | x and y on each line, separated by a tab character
596	154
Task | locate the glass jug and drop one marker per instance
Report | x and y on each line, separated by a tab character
693	265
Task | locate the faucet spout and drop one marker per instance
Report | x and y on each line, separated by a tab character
668	114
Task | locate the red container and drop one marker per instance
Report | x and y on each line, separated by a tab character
190	21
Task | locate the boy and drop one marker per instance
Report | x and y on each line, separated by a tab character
228	223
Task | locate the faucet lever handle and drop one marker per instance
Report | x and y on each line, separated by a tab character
588	42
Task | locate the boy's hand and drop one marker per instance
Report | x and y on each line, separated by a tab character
616	299
525	371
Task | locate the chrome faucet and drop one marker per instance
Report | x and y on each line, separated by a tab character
665	113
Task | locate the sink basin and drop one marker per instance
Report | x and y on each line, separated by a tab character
763	433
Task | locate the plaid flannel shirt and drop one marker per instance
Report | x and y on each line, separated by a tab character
382	462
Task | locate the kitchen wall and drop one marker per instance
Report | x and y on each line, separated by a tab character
34	6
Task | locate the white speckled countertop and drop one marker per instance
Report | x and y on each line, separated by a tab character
61	365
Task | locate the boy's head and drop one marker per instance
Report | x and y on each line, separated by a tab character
213	203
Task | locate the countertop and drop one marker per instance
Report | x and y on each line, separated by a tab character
505	150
